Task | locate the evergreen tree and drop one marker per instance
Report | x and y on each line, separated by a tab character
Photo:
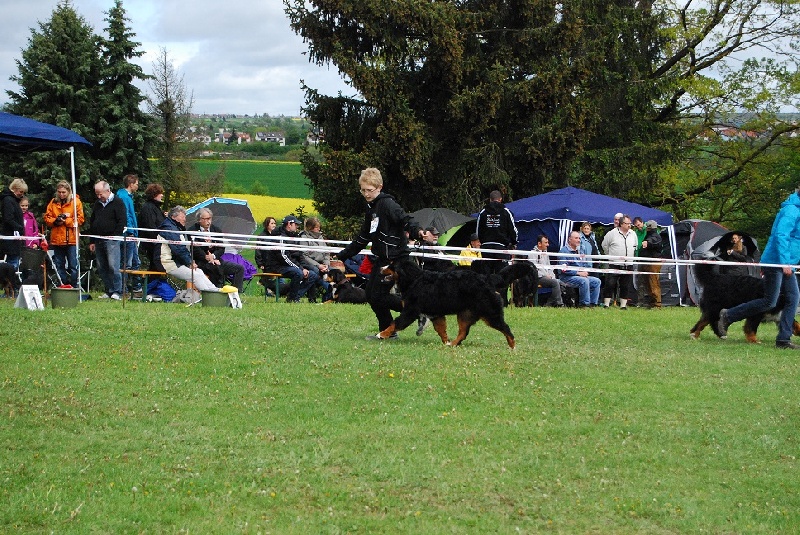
60	78
460	97
123	133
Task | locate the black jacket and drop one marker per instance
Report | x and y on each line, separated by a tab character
277	259
12	222
108	220
654	245
385	225
496	226
202	247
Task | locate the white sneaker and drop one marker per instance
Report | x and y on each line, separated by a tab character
103	296
115	297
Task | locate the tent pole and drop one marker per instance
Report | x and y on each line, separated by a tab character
75	219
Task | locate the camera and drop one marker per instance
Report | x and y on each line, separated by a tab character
60	219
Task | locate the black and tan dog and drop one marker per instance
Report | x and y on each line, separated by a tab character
463	292
8	279
343	289
726	291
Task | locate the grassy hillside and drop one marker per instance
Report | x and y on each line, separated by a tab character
275	179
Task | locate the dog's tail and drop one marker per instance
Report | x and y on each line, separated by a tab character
518	270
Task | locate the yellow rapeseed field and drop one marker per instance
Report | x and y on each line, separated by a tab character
277	207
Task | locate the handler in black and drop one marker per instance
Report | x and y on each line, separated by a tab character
387	226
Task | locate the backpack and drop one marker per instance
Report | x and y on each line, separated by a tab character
162	289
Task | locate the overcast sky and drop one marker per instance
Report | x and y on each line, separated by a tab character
237	57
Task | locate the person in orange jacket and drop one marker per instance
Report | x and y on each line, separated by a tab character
60	218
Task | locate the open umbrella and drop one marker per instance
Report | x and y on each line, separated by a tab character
442	218
232	216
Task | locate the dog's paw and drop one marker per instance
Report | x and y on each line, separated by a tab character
694	336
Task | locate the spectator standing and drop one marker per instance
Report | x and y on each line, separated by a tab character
640	281
107	222
588	242
547	277
782	249
496	230
30	224
60	217
620	242
130	248
13	224
587	285
385	225
652	246
151	216
736	252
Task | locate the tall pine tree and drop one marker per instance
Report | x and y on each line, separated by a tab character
123	134
60	76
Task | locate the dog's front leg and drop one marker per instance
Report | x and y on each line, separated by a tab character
440	326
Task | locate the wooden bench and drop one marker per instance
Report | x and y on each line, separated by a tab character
145	274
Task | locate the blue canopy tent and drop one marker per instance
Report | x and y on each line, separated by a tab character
555	213
22	135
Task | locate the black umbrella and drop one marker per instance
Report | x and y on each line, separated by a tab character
232	216
442	218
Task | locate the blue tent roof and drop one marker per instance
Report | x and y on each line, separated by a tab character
20	134
580	205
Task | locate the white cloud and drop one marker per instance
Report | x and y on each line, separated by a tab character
237	58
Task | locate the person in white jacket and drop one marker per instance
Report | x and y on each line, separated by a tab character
547	277
620	242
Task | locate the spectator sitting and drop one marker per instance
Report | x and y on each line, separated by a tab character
290	263
207	251
470	253
317	261
588	286
547	277
175	257
270	285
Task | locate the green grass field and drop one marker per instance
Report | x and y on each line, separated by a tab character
276	179
281	418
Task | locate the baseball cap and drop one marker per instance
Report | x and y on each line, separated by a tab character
290	219
473	237
432	230
652	224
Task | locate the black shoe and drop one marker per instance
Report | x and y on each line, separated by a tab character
723	323
786	344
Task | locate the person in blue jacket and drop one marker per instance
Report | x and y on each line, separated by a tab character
130	248
587	285
783	250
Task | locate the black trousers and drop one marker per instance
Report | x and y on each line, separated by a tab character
380	298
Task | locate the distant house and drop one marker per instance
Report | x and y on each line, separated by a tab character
271	137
